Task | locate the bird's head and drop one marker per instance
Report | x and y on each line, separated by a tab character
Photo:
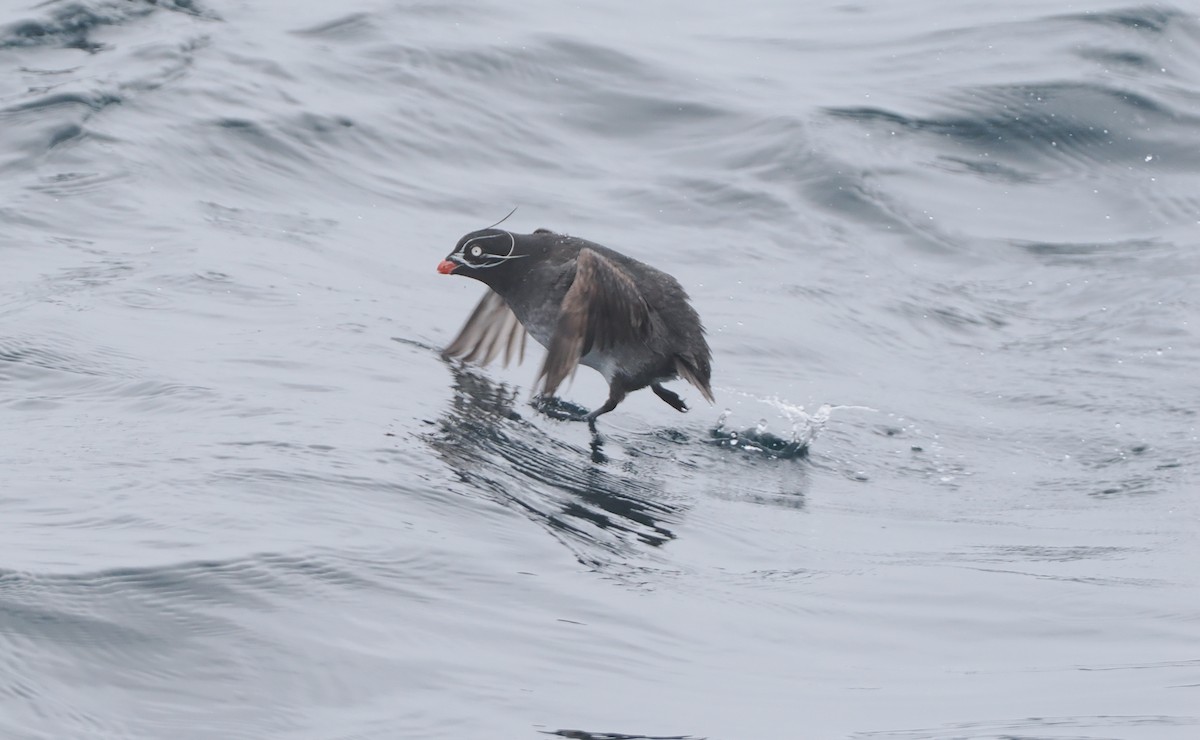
484	255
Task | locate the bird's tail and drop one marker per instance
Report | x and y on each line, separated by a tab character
697	376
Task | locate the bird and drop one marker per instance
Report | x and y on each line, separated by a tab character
586	304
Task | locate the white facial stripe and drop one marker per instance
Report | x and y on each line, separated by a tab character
487	236
461	255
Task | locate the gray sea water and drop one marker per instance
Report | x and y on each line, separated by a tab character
954	244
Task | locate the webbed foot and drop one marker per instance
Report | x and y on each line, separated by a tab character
671	397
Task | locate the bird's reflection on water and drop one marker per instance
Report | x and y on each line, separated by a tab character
569	490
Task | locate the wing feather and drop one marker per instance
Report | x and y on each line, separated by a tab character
603	308
491	328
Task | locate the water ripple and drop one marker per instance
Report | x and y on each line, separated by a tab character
501	456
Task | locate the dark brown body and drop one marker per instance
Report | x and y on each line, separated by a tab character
585	303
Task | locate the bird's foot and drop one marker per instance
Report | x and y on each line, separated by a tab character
671	397
556	408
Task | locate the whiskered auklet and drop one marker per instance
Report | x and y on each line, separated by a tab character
586	304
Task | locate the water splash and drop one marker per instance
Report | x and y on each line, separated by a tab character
802	429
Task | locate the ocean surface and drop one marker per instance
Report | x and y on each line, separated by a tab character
948	256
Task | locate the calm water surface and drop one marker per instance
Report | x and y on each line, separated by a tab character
243	497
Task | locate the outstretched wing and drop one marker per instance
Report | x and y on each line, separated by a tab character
602	308
492	327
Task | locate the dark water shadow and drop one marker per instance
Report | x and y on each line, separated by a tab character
585	735
594	508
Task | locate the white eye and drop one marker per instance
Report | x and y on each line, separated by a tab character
476	250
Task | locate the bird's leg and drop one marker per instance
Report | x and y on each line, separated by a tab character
615	396
670	397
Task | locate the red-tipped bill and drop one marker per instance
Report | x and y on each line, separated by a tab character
446	267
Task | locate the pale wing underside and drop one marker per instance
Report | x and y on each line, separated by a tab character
602	308
491	329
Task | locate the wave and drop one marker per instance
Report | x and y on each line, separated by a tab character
69	24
